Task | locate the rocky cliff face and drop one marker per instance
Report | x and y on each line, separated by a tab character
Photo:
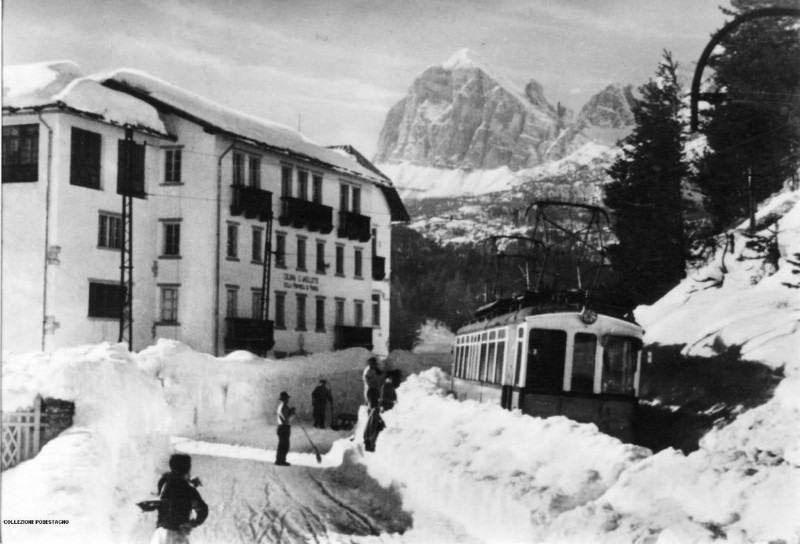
604	120
458	115
461	116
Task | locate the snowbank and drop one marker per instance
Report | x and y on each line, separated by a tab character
93	473
489	474
126	407
241	389
502	475
742	485
741	299
509	478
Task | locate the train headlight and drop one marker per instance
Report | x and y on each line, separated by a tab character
588	316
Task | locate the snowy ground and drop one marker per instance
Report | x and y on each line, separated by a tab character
444	471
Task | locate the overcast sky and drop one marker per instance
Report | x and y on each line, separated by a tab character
337	66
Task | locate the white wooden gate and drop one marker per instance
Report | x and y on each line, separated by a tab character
21	435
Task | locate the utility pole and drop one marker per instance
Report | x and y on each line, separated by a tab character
265	283
125	182
750	202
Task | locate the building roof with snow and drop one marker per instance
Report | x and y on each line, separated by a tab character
41	86
221	119
132	97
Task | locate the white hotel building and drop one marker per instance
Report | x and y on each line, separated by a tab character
245	234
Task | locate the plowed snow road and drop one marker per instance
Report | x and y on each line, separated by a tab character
258	502
252	501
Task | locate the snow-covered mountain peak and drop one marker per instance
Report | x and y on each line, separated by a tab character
462	114
463	58
463	124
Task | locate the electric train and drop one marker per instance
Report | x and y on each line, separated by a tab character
551	351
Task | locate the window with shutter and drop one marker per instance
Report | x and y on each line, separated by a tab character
84	169
130	169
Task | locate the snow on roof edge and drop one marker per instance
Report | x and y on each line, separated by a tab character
233	122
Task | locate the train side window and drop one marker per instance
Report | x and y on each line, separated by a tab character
482	371
473	362
583	363
518	370
546	352
490	363
498	369
619	364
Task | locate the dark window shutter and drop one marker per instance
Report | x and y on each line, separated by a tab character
130	169
85	159
105	299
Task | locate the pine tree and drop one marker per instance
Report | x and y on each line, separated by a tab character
645	194
754	132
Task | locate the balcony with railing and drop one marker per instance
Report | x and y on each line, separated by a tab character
251	202
352	337
354	226
254	335
305	214
378	268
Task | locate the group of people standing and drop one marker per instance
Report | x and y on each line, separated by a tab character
180	506
380	395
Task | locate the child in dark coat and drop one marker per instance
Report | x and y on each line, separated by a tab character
178	500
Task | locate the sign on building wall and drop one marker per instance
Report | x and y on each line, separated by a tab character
300	283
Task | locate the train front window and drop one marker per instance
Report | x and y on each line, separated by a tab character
583	363
619	364
546	352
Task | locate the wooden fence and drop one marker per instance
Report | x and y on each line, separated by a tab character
21	433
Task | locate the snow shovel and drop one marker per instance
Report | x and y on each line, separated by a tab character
316	451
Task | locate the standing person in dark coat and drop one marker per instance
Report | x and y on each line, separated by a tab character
178	500
285	413
320	397
372	383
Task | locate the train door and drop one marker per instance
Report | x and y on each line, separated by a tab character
546	354
584	355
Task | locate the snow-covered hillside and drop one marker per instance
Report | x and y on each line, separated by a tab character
416	182
745	295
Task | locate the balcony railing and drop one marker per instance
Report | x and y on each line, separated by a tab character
352	337
251	202
302	213
254	335
378	268
354	226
